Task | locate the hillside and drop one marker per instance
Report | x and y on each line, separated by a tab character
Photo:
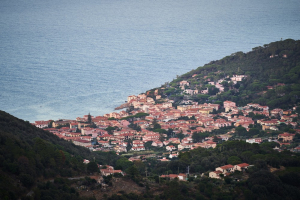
29	155
38	163
272	77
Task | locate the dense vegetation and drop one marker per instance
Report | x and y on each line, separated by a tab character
29	155
276	64
256	183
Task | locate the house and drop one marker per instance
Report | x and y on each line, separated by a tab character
215	174
236	78
185	146
274	128
69	134
187	140
164	159
206	110
191	92
241	167
83	143
59	123
228	105
173	155
125	123
157	143
183	83
276	112
87	138
204	91
174	140
268	124
210	144
74	125
120	148
225	168
254	140
42	124
287	112
109	171
139	148
221	123
104	143
286	137
297	149
137	143
170	148
181	176
151	136
90	131
132	159
85	161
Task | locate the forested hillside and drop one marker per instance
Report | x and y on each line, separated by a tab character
29	155
276	65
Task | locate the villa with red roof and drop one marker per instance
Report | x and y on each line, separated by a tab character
225	168
109	171
42	124
157	143
286	137
170	148
181	176
241	167
215	174
229	105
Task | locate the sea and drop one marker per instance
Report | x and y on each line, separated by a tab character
63	59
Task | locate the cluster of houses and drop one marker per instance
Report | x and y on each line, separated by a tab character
201	120
217	174
227	169
105	170
111	131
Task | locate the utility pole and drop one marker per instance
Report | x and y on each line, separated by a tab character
146	172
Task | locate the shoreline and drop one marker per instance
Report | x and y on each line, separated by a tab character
122	106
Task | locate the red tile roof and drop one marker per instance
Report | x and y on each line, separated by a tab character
226	167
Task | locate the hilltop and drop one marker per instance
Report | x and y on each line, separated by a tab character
271	77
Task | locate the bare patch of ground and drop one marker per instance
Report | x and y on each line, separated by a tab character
119	186
272	169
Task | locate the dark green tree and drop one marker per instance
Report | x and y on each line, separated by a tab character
180	135
92	167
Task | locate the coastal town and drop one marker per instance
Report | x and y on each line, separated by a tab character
227	130
150	122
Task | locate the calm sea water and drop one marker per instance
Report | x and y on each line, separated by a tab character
66	58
